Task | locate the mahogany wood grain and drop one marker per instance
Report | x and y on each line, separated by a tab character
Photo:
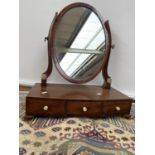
76	108
69	100
107	84
75	92
110	108
36	107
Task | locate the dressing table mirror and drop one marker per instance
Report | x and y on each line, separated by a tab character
79	45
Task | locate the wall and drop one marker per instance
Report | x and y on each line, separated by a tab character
35	19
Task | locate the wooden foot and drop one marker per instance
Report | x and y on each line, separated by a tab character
129	117
27	118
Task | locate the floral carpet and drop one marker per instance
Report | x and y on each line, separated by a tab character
75	136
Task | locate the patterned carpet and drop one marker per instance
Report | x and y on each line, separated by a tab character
75	136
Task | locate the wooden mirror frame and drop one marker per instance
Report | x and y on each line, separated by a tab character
51	53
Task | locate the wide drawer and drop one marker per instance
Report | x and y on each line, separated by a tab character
39	107
116	108
77	108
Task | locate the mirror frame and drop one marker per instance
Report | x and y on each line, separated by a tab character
52	55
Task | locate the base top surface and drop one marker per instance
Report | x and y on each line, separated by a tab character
75	92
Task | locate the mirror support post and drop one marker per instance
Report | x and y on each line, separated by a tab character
107	78
46	74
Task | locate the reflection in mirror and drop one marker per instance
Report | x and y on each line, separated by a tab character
79	43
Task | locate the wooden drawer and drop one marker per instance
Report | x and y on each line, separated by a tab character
117	108
86	109
40	107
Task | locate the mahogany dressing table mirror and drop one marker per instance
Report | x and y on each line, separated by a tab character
79	45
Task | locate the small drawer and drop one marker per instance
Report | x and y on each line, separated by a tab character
77	108
116	108
38	107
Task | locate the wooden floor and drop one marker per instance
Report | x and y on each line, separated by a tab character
24	88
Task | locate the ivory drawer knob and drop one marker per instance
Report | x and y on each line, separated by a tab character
85	109
118	108
45	107
44	92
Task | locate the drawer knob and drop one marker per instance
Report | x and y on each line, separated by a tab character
44	92
45	107
85	109
118	108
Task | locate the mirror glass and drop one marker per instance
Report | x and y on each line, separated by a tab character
79	44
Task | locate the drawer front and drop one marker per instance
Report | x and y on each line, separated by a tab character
83	109
45	108
116	108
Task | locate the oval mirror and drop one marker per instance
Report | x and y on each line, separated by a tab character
79	43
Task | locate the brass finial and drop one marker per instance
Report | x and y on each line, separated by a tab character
109	80
43	76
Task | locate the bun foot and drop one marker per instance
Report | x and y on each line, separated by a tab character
27	118
129	117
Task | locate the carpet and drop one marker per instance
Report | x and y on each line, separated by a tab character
75	136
